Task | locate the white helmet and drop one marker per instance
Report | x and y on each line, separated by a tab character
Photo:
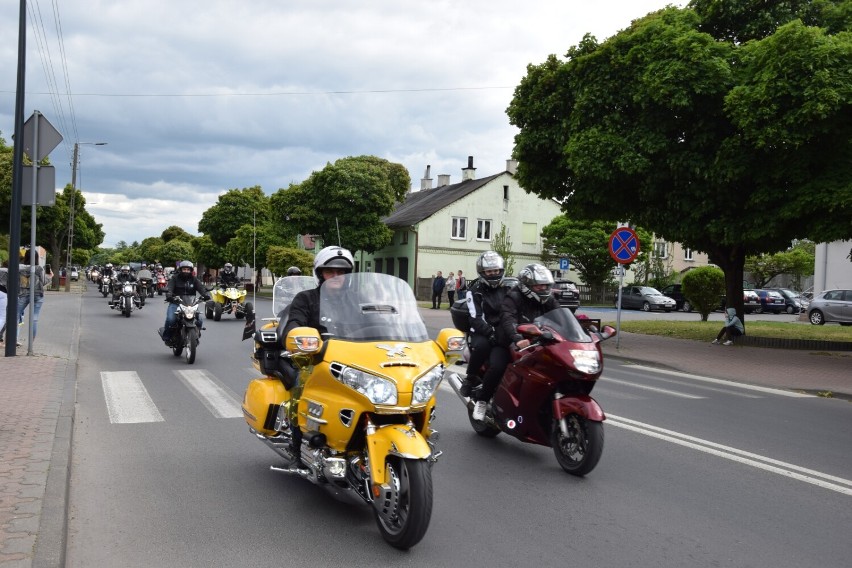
533	275
333	257
227	268
490	260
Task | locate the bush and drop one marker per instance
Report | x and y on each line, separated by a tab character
703	287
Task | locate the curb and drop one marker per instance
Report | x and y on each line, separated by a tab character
802	344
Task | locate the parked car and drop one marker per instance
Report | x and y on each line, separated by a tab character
795	302
674	292
751	302
645	298
831	306
567	294
75	274
771	301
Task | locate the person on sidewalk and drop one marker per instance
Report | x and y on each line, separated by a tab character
733	328
4	297
438	284
461	285
451	288
37	279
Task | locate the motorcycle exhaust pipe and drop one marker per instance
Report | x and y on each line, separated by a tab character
455	381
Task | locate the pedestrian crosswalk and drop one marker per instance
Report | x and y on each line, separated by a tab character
128	401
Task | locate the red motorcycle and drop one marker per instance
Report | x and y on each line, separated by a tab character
543	397
162	283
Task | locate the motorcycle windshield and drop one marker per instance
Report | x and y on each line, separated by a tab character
563	322
285	290
368	306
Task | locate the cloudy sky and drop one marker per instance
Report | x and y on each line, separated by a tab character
197	97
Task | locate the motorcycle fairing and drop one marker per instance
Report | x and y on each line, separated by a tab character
397	440
582	405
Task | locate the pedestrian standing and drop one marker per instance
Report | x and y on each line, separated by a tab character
451	288
438	283
4	282
35	279
461	285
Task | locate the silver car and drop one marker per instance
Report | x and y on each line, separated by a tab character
831	305
645	298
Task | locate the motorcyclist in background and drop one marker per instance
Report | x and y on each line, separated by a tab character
294	271
182	283
227	277
330	265
124	275
484	298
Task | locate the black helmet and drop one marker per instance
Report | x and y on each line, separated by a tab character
294	271
534	275
490	260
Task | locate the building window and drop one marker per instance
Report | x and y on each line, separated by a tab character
380	267
403	268
389	266
529	234
483	229
687	254
403	238
661	249
459	228
505	198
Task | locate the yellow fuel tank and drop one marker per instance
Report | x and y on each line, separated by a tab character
261	401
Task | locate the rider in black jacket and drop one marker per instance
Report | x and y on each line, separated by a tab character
531	298
484	299
227	277
182	283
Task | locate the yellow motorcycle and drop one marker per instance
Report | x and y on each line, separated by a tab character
229	300
359	395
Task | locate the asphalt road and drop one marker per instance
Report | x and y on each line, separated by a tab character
693	473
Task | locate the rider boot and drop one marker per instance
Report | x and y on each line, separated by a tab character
468	384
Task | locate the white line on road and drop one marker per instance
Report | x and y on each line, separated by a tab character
214	396
654	389
733	384
624	371
811	476
127	400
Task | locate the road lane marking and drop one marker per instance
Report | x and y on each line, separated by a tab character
213	395
126	399
792	471
680	383
734	384
654	389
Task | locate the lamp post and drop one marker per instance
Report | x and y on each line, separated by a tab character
71	215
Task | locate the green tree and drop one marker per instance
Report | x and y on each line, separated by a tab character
345	202
279	259
233	209
702	287
250	245
798	261
728	147
208	253
149	248
6	160
175	232
175	251
502	245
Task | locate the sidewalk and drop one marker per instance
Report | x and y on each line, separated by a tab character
37	397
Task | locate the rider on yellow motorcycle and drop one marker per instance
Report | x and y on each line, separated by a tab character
227	277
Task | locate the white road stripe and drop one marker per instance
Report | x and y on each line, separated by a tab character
127	400
216	397
654	389
811	476
695	386
734	384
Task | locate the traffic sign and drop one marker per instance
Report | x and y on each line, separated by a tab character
624	245
564	264
48	137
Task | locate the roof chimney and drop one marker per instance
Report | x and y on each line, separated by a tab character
443	179
469	172
512	166
426	182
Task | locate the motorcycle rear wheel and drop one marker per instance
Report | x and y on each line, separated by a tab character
403	512
217	311
581	450
481	427
191	345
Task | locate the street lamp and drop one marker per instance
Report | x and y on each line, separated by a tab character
71	220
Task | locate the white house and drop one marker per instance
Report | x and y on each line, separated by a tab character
833	266
447	227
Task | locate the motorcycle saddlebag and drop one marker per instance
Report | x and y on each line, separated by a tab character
460	315
261	402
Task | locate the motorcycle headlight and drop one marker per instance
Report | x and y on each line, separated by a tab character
425	386
189	311
586	361
377	389
128	288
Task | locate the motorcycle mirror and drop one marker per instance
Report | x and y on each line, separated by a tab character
608	331
529	329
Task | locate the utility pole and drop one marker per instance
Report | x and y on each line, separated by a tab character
74	161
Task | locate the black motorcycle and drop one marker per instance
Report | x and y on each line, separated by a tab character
187	329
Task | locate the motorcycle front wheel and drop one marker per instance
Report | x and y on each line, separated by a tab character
403	511
579	452
191	345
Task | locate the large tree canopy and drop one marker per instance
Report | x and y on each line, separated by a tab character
233	209
729	147
349	198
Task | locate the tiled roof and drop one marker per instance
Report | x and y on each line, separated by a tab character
423	204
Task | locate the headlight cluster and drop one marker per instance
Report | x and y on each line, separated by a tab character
425	386
377	389
586	361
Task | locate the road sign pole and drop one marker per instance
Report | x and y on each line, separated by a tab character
36	115
618	307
